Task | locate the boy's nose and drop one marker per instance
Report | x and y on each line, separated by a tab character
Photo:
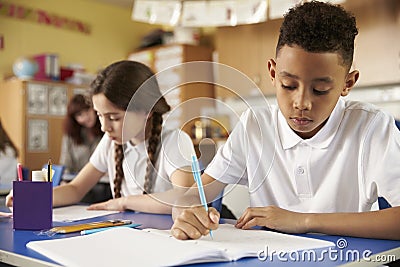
302	101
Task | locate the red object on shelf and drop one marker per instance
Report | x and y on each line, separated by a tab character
65	73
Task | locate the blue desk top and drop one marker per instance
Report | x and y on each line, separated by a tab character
348	248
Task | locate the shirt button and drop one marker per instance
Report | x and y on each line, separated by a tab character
300	170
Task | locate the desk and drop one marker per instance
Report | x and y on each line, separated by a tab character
13	250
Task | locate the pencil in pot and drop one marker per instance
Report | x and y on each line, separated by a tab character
49	171
19	172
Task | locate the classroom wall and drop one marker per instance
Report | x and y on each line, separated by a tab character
113	34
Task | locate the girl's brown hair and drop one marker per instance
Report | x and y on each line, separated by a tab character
6	141
120	83
72	128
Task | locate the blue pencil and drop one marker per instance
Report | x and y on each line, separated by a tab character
197	179
91	231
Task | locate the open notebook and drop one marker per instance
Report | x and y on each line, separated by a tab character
150	247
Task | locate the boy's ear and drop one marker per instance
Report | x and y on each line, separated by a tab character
351	80
272	70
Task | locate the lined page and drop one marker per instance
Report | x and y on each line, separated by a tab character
238	243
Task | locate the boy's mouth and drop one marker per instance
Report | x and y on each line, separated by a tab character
301	121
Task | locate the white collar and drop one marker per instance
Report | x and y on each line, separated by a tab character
128	146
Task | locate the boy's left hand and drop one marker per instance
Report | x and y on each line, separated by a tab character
112	204
273	218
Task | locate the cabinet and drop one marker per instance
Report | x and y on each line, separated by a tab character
377	45
247	49
32	113
177	83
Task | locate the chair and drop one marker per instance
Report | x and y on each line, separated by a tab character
383	204
58	173
217	202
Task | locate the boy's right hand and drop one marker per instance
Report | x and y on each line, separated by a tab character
194	222
9	200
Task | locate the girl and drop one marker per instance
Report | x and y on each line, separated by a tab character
82	133
8	158
138	156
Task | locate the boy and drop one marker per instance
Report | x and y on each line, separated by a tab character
322	161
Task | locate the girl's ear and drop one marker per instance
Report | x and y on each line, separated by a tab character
351	80
272	70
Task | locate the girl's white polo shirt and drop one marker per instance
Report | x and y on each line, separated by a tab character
175	153
8	166
351	161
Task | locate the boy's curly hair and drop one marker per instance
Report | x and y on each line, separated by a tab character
320	27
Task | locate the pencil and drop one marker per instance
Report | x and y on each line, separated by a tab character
19	172
49	171
91	231
197	179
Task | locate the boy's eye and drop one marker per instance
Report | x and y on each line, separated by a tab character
318	92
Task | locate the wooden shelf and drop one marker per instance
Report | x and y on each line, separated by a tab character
19	117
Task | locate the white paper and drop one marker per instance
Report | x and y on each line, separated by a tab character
77	212
135	247
237	243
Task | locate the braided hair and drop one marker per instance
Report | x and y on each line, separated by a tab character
119	174
152	151
120	83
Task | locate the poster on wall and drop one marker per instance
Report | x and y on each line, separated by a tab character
58	100
37	135
37	99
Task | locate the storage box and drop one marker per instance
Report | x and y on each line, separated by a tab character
32	205
48	67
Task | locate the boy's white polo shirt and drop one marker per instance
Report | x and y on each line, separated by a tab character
175	153
351	161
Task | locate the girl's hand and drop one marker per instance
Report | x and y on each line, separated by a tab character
9	200
194	222
273	218
112	204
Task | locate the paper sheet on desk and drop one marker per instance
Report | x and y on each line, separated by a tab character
77	212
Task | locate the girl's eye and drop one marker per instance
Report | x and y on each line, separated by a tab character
287	87
113	119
